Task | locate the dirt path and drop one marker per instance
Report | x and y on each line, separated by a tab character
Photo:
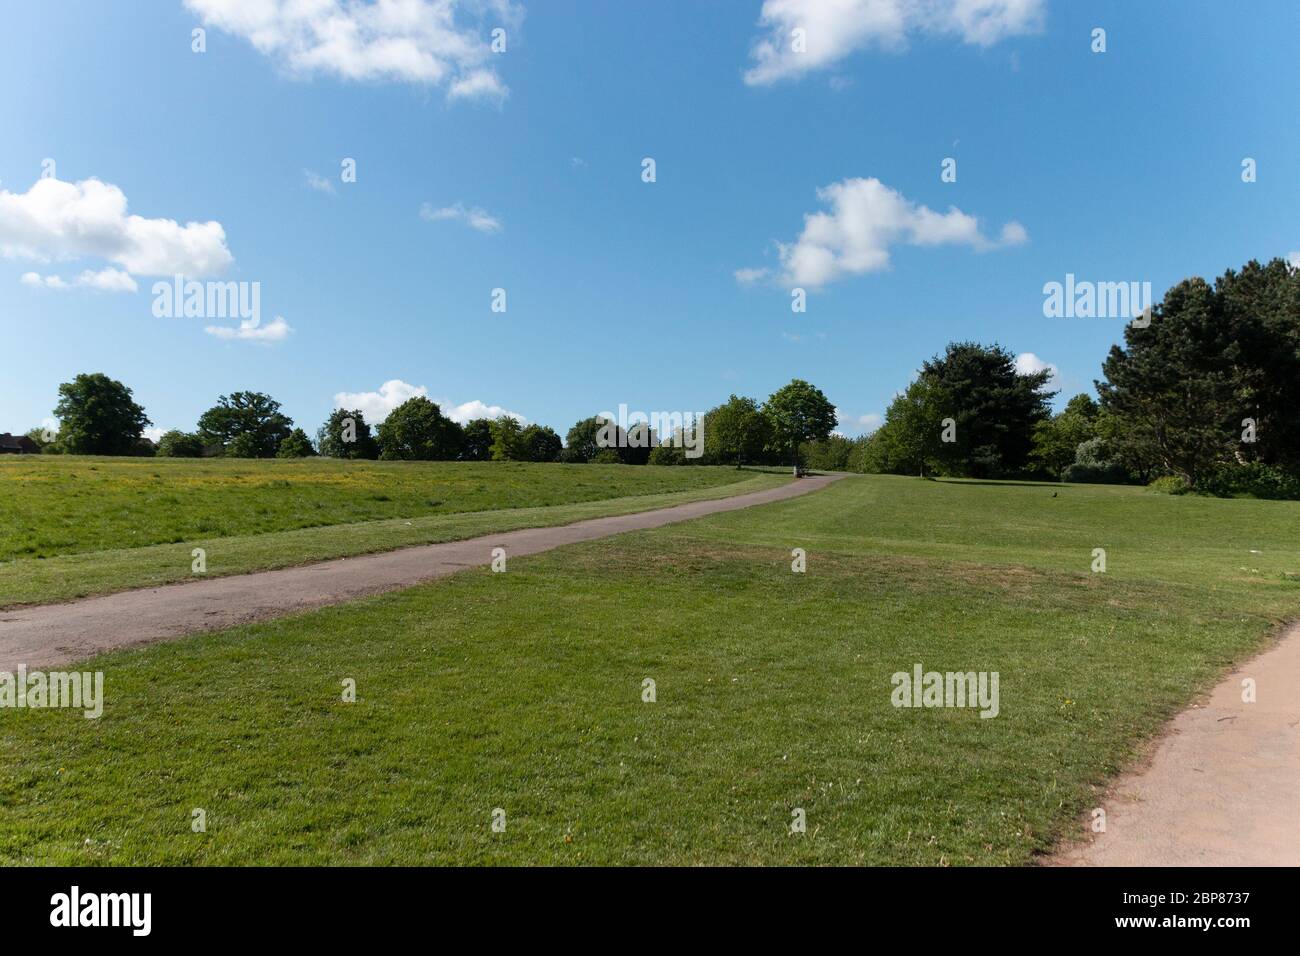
55	634
1222	787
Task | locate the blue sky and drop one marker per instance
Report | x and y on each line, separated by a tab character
1116	166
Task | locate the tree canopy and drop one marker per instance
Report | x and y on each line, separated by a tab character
416	430
98	416
245	424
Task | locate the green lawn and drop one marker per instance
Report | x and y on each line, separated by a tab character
523	691
73	526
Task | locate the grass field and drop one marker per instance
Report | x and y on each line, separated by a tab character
70	527
523	691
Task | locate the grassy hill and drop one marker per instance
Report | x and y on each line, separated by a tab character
523	691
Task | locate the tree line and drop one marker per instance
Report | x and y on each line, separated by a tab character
1201	396
99	416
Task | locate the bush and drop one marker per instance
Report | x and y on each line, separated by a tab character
179	444
244	445
1168	485
1107	474
667	455
296	445
606	456
1251	480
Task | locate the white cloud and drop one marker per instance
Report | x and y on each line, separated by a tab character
38	281
867	218
375	406
467	411
250	330
482	84
412	41
833	29
105	280
153	434
474	217
55	220
317	182
1027	363
1294	258
749	276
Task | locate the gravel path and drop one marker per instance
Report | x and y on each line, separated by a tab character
54	634
1222	786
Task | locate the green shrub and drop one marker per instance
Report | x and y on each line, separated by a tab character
1107	474
667	455
1168	485
1251	480
606	456
179	444
295	445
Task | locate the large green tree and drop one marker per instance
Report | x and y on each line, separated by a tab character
798	413
416	430
346	434
994	409
246	425
1057	439
1179	383
736	431
581	444
912	436
541	443
98	416
476	440
1259	307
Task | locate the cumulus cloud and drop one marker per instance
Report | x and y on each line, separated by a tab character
468	411
55	220
251	330
481	84
428	42
1027	363
1294	258
474	217
105	280
866	218
375	406
38	281
833	29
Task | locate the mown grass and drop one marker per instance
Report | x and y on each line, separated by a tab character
125	528
523	691
54	504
